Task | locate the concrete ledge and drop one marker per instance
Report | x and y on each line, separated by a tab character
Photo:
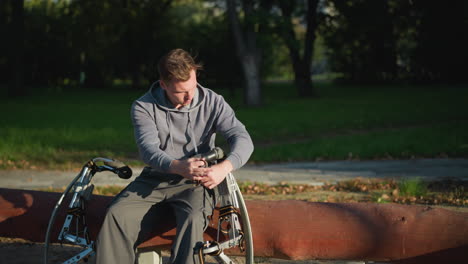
294	230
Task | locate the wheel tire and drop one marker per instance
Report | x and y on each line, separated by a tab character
236	254
52	225
246	228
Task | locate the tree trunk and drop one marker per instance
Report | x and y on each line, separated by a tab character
303	81
247	53
252	93
16	87
301	65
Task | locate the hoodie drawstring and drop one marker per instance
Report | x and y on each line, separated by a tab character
192	134
160	101
169	126
190	127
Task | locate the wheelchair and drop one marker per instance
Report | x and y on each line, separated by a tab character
233	244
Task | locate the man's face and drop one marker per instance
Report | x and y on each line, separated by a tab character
181	93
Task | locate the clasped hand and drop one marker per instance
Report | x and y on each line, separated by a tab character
193	169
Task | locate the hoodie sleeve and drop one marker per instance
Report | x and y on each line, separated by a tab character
147	139
235	133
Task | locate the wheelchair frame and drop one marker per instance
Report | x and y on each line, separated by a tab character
233	220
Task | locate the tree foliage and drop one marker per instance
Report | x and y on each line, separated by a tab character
74	43
388	41
94	43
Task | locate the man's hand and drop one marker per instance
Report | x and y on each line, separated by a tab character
216	175
191	168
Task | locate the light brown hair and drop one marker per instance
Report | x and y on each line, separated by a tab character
177	65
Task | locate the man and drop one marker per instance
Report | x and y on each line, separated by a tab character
175	120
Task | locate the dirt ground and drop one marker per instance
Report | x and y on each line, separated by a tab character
20	251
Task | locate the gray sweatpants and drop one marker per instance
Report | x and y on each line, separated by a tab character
134	212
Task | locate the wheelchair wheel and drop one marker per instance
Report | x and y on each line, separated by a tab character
63	251
244	252
248	239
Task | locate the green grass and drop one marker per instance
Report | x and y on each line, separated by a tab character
413	187
64	129
369	122
52	129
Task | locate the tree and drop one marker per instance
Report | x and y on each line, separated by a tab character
386	41
361	39
144	22
247	50
439	50
120	39
302	65
16	87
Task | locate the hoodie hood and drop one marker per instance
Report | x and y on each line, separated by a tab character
163	103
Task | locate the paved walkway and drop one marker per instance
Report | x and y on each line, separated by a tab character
313	173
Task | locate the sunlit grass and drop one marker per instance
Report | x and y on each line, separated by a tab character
64	129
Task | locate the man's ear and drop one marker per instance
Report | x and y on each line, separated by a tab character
162	84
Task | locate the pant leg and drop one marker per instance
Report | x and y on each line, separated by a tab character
191	207
117	239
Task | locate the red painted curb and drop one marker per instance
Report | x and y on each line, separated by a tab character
294	230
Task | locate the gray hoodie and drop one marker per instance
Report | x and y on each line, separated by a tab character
164	133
